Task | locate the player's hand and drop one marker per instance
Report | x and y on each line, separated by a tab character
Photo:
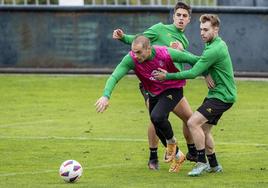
210	82
102	104
176	45
118	34
160	74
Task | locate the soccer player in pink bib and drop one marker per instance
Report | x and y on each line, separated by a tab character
145	60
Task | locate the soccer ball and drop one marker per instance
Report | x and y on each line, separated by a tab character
70	171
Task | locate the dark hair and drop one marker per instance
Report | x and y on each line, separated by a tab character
212	18
183	5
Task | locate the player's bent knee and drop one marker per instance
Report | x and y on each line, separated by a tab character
157	119
191	124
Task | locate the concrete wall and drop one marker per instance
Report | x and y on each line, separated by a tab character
242	2
81	37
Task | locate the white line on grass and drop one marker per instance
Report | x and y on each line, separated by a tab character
71	138
55	171
26	123
241	143
111	139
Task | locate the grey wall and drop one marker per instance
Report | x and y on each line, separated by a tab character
242	2
82	37
246	36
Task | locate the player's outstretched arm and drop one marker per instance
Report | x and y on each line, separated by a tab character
120	71
102	104
119	34
184	56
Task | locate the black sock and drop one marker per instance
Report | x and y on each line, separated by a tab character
153	153
177	149
192	149
212	160
201	156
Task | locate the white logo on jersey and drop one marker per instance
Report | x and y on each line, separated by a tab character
161	63
153	73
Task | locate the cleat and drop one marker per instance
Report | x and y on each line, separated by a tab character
171	152
190	157
153	164
177	163
198	169
215	169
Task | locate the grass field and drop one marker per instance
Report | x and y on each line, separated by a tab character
47	119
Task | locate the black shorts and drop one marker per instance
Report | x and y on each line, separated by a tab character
212	109
143	92
166	101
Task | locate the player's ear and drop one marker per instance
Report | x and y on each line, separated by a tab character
150	48
189	20
216	29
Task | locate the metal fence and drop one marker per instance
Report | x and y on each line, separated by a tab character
111	2
151	2
252	3
28	2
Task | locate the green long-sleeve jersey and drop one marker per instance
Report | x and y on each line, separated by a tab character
128	64
216	59
162	35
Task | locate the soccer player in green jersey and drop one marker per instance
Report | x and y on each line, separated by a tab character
217	61
171	35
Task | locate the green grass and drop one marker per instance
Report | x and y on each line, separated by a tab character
47	119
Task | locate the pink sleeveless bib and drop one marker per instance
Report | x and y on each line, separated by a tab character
145	70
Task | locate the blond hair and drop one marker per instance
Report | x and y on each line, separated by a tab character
212	18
